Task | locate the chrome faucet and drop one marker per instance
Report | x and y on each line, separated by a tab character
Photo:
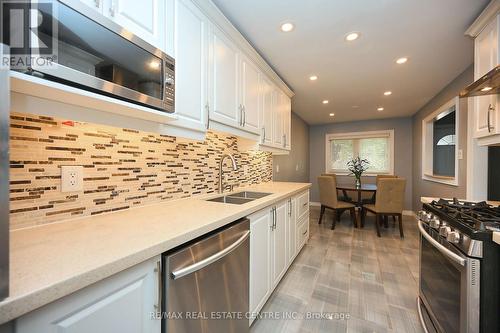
221	172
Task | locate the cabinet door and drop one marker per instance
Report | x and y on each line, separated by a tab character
94	4
291	229
223	79
279	243
287	122
267	105
191	55
250	93
122	303
485	59
145	18
260	259
278	134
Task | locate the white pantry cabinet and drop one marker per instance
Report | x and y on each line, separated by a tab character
121	303
191	55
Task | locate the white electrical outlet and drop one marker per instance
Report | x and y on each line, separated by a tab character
296	167
460	154
71	178
277	168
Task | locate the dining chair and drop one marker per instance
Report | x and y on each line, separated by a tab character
328	199
344	197
372	199
389	202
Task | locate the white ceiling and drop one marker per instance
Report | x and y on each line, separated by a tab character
429	32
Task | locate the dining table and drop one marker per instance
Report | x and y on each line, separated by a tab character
367	188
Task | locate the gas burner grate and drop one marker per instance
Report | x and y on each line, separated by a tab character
477	215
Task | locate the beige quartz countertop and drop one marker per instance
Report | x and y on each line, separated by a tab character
49	262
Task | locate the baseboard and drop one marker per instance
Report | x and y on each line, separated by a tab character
405	212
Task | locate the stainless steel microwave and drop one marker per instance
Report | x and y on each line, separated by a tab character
96	54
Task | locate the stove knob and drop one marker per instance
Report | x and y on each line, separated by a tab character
453	237
443	231
434	223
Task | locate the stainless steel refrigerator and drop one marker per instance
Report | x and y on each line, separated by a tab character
4	176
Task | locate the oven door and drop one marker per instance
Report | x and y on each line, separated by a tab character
449	284
96	54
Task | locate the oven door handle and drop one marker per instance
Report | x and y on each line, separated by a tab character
209	260
456	258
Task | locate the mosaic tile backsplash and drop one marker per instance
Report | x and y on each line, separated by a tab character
123	168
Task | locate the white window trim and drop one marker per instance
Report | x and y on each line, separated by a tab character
360	135
427	144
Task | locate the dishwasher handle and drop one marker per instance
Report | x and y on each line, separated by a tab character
209	260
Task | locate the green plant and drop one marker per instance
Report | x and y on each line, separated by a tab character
357	166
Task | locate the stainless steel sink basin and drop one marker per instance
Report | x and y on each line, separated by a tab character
231	200
251	195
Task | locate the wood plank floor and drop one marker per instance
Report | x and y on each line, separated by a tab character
348	272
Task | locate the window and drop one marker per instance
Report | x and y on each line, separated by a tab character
440	144
377	147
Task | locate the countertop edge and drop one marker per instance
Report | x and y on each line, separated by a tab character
14	307
496	237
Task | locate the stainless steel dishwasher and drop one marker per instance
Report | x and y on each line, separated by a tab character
207	283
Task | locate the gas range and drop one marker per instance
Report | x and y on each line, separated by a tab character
459	266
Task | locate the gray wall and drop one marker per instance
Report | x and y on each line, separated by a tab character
428	188
295	166
402	146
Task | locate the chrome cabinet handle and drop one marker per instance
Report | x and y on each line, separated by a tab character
207	109
158	270
490	108
272	217
209	260
241	115
290	207
112	8
456	258
263	134
305	204
304	233
284	140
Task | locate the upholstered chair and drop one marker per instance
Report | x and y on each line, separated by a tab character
389	202
344	196
328	199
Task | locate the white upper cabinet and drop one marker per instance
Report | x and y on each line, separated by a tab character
94	4
250	93
487	57
278	133
191	55
287	122
267	109
223	80
145	18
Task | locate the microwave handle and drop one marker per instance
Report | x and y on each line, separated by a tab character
456	258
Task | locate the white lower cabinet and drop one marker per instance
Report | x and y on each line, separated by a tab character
121	303
279	242
276	237
260	258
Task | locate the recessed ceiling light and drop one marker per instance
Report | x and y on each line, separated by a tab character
325	101
387	93
380	109
486	89
352	36
313	77
355	106
332	114
287	27
402	60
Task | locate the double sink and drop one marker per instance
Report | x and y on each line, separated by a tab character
239	198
